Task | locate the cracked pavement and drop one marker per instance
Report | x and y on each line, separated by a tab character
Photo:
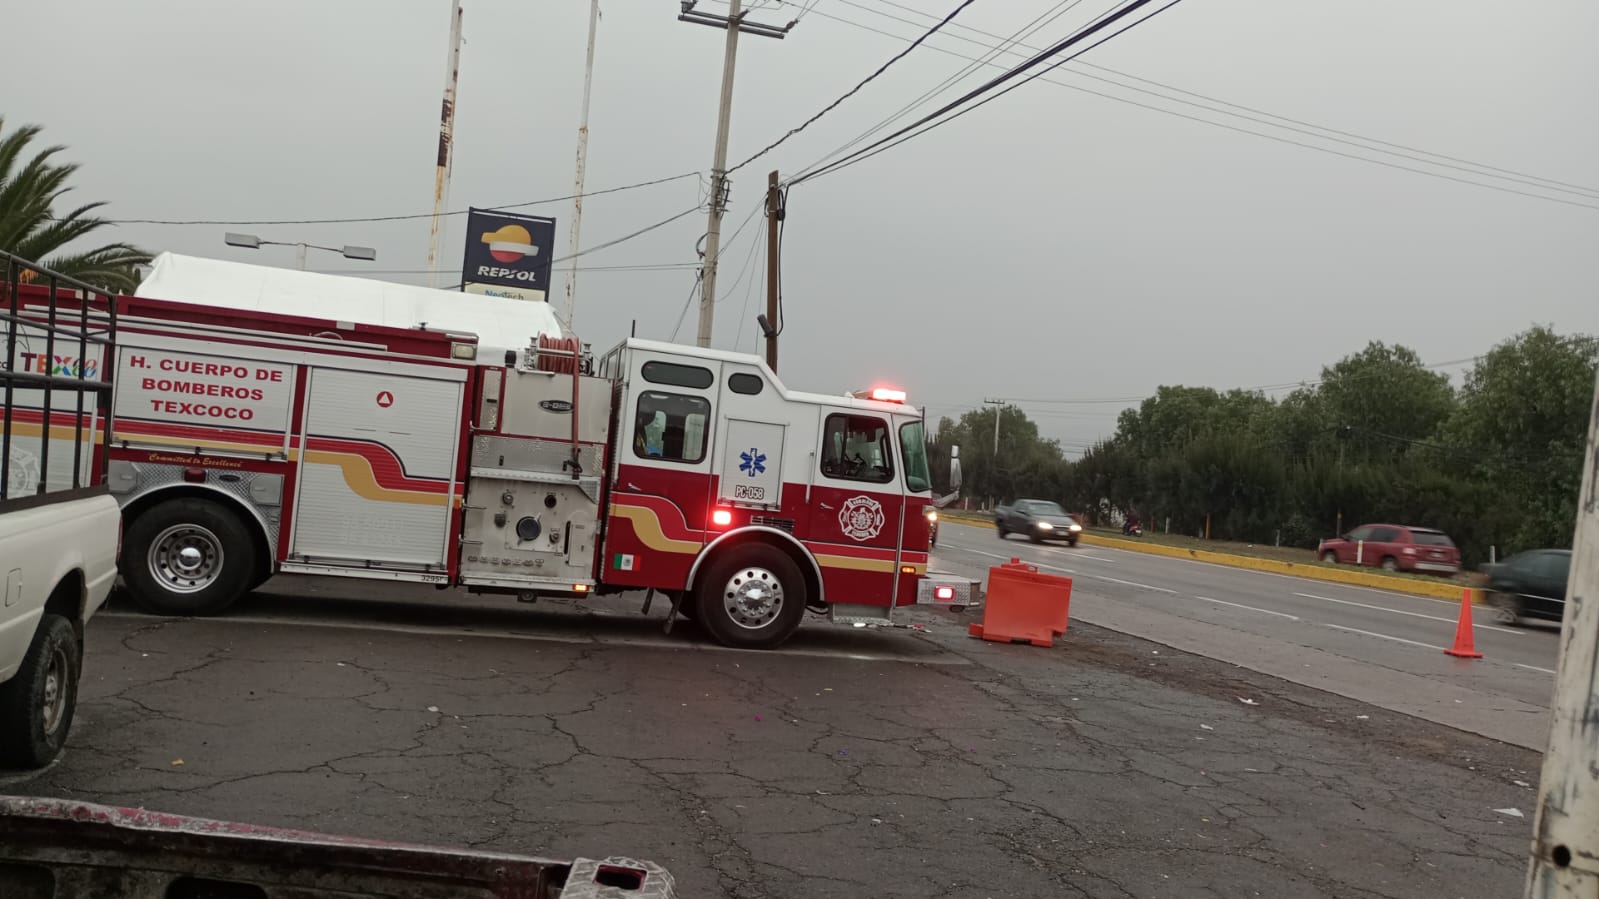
932	765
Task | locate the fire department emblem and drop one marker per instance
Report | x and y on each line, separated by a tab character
861	518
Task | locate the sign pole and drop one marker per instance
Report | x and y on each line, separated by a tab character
582	161
441	174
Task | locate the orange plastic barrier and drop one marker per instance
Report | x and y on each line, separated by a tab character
1024	605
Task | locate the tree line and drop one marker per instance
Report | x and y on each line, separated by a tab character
1380	437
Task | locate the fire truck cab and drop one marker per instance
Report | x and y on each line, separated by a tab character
407	434
757	500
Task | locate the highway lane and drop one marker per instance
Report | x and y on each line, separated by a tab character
1371	645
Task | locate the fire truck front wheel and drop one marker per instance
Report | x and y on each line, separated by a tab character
751	596
188	557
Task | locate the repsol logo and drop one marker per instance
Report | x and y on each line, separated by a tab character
493	271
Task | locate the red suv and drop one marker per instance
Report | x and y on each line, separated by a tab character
1394	547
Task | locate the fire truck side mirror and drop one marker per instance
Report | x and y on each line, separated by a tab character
510	358
954	469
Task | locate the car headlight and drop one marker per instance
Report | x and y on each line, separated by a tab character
1077	527
932	515
1045	526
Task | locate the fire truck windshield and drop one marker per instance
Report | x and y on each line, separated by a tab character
913	446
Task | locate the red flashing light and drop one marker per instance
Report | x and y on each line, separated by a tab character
721	518
888	395
194	475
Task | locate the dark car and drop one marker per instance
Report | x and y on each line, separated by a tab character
1394	547
1039	520
1530	585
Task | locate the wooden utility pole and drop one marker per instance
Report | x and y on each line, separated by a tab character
734	23
774	216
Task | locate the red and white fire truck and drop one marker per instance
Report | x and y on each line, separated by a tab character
380	439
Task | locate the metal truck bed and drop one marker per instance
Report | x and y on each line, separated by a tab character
61	849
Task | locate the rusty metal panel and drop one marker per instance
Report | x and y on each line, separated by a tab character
56	849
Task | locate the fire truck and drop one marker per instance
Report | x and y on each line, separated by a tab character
271	421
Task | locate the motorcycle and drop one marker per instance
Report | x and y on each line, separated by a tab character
1132	529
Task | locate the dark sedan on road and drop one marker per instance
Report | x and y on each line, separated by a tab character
1038	520
1394	547
1530	585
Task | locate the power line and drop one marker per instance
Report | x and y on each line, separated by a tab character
1038	23
938	117
1574	191
1207	97
687	303
1476	169
397	218
854	90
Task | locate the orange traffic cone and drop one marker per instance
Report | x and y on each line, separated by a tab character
1465	642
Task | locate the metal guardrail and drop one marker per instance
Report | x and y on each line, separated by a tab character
59	312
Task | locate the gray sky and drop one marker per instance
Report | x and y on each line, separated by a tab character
1053	244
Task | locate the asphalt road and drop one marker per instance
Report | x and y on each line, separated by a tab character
1371	645
849	763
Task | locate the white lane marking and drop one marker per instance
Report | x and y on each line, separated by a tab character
1356	630
978	552
596	640
1077	554
1535	668
1350	602
1237	605
1134	584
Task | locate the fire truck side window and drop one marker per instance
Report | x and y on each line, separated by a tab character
857	448
671	427
673	375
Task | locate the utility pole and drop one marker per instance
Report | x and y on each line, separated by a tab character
441	176
774	216
999	406
1565	842
734	23
582	161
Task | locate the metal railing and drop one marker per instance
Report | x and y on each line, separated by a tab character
43	313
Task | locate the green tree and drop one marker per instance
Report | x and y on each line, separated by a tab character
1522	427
30	226
1387	399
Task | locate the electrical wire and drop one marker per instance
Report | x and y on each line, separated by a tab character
749	288
854	90
1038	23
399	218
698	278
1213	99
938	117
1575	190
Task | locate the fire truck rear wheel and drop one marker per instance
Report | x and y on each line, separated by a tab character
751	597
188	557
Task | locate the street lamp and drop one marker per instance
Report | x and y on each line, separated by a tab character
251	242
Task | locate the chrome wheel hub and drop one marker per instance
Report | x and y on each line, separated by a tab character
186	558
753	598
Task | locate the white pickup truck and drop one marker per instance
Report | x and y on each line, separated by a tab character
60	528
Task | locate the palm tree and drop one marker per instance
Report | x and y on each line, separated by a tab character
30	229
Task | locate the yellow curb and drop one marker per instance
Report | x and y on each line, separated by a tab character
1313	571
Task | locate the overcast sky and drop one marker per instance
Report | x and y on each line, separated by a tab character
1053	244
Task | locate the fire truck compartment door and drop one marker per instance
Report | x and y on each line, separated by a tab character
752	464
376	472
